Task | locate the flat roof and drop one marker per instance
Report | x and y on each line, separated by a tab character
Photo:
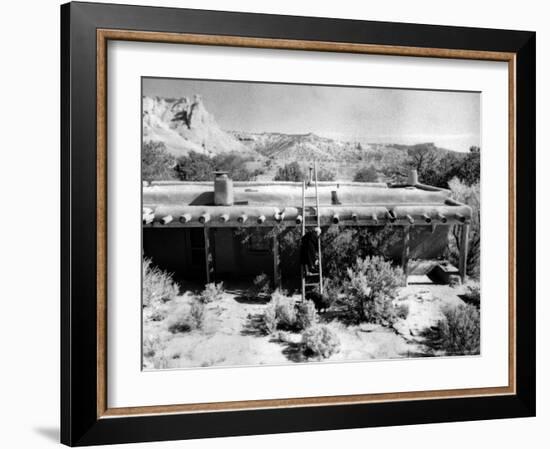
283	194
268	203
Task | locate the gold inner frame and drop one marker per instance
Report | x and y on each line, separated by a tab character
104	35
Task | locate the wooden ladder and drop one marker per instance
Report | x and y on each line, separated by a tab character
307	281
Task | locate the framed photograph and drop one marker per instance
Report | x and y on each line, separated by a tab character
282	224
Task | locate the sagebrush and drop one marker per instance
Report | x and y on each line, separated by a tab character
285	313
472	294
158	285
188	318
212	292
261	286
370	289
459	331
320	341
306	315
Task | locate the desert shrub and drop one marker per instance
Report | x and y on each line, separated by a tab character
152	345
180	322
402	311
196	313
366	174
285	311
261	285
320	341
154	353
306	315
199	167
473	294
158	285
187	319
329	297
434	165
290	172
236	166
459	331
289	247
269	318
212	292
325	174
370	289
341	246
331	292
194	167
156	162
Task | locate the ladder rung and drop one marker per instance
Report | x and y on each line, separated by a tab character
312	285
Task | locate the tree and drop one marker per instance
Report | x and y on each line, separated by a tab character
290	172
156	163
235	165
324	174
469	170
194	167
366	174
422	157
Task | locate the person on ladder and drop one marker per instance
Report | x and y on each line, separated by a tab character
309	258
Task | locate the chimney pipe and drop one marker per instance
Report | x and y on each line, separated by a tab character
223	189
413	178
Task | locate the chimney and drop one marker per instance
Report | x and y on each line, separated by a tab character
413	178
223	189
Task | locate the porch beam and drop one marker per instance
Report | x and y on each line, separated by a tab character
208	256
406	252
276	262
463	260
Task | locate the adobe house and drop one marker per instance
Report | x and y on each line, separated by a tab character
194	229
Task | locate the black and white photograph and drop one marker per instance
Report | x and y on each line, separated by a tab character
291	223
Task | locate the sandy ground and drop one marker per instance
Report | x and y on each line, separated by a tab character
230	338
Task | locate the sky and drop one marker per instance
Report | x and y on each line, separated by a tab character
370	115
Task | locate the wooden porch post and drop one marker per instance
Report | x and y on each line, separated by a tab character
208	256
276	265
405	253
463	261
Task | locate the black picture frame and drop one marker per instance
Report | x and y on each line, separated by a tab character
80	423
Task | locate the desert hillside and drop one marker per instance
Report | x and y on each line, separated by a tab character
184	125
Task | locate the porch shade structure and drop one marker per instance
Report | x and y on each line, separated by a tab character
279	204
